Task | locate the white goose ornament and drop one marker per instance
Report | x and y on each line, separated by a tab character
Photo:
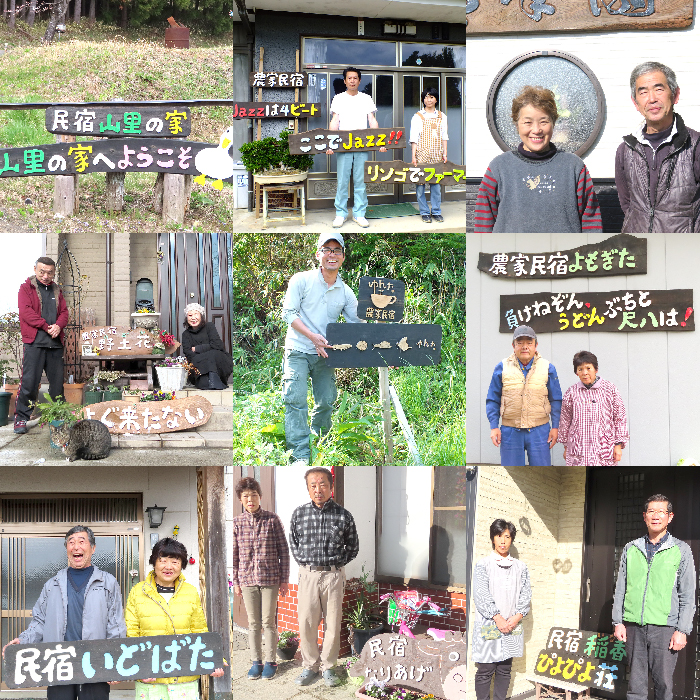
215	163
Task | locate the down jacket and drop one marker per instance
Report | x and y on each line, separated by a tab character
29	302
148	614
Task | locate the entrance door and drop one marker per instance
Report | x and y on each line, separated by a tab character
614	505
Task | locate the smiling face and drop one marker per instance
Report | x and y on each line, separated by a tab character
430	101
45	273
333	258
319	488
657	518
535	129
502	543
455	684
586	372
167	570
250	500
654	100
525	348
193	318
79	550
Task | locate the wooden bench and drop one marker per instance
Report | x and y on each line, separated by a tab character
556	689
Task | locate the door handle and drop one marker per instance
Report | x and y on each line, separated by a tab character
588	590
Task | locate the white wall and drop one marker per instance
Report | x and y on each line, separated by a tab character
21	253
611	56
656	372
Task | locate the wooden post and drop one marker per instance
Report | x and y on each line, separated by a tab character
385	399
296	96
65	187
218	610
158	193
174	198
115	191
260	68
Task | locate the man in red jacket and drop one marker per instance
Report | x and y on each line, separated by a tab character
43	314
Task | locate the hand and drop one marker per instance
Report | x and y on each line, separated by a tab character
514	621
54	330
14	641
444	157
552	439
496	436
414	162
678	641
329	152
501	623
218	672
193	350
147	680
617	453
382	150
237	590
621	633
319	343
113	682
284	589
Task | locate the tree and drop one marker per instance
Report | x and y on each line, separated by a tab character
58	11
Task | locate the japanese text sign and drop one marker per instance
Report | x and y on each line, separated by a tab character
620	255
381	299
593	659
383	344
438	667
398	172
271	110
320	140
268	79
114	121
150	417
104	660
119	340
625	310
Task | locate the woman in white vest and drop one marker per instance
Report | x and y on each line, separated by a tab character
502	599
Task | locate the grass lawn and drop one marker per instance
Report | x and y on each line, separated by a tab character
100	64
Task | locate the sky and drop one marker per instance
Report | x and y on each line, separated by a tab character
19	252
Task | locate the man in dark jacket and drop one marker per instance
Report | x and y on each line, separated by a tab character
43	314
657	169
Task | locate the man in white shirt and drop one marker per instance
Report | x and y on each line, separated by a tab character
352	110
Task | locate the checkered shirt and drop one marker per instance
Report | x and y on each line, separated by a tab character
323	536
592	422
260	551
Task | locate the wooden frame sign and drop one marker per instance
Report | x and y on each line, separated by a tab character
381	299
118	659
399	172
625	310
383	344
320	140
272	79
139	122
620	255
279	110
592	659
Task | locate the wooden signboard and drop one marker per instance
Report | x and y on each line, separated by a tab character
150	417
593	659
116	341
320	140
267	79
620	255
398	172
624	310
271	110
111	121
437	667
108	156
383	344
381	299
529	16
118	659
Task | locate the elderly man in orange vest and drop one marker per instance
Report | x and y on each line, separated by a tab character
523	395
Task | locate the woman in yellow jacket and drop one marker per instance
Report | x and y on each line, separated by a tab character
166	604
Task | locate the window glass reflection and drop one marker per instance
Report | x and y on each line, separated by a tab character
433	56
350	52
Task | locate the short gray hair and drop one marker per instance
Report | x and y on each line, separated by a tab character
80	528
651	67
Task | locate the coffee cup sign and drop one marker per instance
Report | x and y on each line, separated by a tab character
381	299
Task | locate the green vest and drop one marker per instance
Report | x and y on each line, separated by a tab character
649	589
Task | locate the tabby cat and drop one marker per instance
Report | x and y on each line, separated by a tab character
86	439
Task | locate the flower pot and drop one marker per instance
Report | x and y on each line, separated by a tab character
5	398
73	393
93	397
360	637
279	178
149	320
55	424
171	378
287	653
112	395
13	389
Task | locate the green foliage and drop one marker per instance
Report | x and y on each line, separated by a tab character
11	343
293	162
58	410
288	639
271	154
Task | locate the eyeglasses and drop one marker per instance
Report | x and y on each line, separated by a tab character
657	512
335	251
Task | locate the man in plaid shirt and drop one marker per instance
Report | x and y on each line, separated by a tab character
323	539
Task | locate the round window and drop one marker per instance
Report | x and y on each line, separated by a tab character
580	99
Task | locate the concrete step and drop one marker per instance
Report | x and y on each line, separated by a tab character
215	398
221	419
217	438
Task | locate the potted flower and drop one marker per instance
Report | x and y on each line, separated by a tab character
381	690
354	680
93	393
73	393
287	645
271	162
58	412
364	616
112	393
172	373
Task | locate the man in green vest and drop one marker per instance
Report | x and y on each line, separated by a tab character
654	602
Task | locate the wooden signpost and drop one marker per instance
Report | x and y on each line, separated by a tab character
132	122
625	310
267	79
526	16
271	110
620	255
106	660
399	172
381	299
320	140
150	417
116	341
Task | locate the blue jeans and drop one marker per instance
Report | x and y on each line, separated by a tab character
351	164
515	441
298	367
435	199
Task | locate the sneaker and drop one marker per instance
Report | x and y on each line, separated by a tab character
361	221
269	671
438	217
307	677
256	670
20	427
338	221
426	219
330	679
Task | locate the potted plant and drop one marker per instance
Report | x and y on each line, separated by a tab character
12	346
107	379
93	393
112	393
73	393
58	412
5	396
172	373
287	645
271	162
381	690
364	616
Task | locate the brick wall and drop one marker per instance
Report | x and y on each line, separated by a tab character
546	504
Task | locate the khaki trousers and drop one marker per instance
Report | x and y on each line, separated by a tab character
261	608
320	595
